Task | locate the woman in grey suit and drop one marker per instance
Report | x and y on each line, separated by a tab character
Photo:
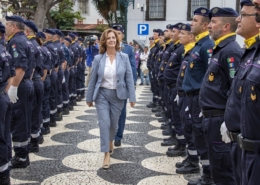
111	82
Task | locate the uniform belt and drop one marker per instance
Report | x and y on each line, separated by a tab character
213	113
181	93
233	135
36	79
171	86
193	93
249	145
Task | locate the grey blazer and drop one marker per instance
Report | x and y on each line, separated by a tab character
125	83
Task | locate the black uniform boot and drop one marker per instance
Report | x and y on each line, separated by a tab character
52	122
151	105
41	139
66	110
34	146
165	125
178	150
189	167
5	180
18	162
205	179
163	119
181	164
74	102
160	114
46	129
157	109
169	141
59	114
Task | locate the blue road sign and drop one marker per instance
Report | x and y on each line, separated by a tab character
143	29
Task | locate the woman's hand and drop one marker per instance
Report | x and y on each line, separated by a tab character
90	104
132	104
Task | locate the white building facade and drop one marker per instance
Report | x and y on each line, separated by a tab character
159	13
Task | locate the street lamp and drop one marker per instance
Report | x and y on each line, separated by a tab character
125	4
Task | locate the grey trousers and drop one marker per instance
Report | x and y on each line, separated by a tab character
109	108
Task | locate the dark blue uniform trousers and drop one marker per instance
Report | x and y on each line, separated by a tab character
197	132
53	97
121	123
71	83
187	129
79	79
219	152
236	153
83	78
151	81
45	100
175	117
21	119
65	89
74	85
59	90
5	136
37	108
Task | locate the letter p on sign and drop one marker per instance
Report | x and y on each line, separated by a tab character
143	29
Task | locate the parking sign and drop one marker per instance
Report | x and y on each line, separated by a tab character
143	29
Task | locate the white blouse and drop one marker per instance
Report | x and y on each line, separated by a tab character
109	80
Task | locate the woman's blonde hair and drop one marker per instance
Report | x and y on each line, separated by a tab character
103	40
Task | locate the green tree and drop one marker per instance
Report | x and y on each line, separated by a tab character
63	16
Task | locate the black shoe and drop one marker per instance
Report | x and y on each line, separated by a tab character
117	143
34	148
40	139
203	180
52	124
170	142
163	119
189	167
71	107
165	125
141	84
167	132
168	138
59	116
157	109
151	105
78	99
181	164
178	150
160	114
5	180
66	111
18	163
46	129
74	102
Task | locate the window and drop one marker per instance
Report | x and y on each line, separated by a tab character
238	6
156	10
83	6
194	4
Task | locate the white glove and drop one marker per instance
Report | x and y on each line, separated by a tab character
12	93
63	80
223	132
200	114
177	99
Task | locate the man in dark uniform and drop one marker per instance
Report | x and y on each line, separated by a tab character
83	63
65	85
21	89
240	117
54	68
197	66
47	63
30	31
7	70
170	75
61	67
215	90
150	63
190	164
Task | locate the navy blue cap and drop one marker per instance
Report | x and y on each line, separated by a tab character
75	33
62	34
49	31
177	26
246	3
151	38
169	26
222	12
2	28
157	31
202	11
68	39
31	25
80	39
161	33
14	18
72	35
186	27
40	35
58	32
118	27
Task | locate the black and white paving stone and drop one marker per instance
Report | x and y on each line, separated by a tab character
71	153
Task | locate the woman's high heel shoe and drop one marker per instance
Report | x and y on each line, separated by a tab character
106	165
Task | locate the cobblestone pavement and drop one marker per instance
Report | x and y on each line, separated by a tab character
71	153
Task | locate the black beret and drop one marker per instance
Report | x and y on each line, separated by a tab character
49	31
177	26
2	28
72	35
14	18
202	11
186	27
80	39
58	32
151	38
118	27
222	12
246	3
157	31
161	33
31	25
75	33
169	26
40	35
68	39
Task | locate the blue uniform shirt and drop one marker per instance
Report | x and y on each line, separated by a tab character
54	53
47	60
22	52
61	54
66	54
198	64
38	71
76	52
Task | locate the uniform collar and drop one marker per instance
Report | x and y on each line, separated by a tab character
30	37
156	41
168	41
251	41
177	42
201	36
18	33
222	41
189	47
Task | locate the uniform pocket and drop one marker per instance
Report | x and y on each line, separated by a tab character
221	155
